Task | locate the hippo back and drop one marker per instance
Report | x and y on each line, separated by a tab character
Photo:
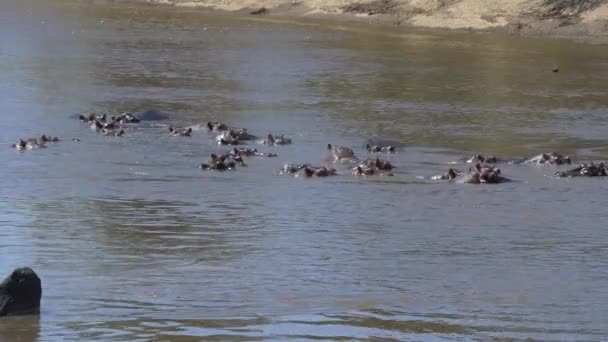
151	115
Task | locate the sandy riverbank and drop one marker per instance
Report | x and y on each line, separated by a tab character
578	19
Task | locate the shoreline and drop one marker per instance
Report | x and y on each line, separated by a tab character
514	18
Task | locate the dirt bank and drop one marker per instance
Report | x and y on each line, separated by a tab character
579	19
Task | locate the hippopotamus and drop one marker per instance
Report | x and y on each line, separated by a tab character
278	140
307	170
585	170
483	159
227	138
20	293
28	144
379	149
182	132
250	152
234	137
290	168
372	166
43	139
127	118
315	171
92	117
482	174
151	115
548	158
222	162
216	126
450	174
242	134
341	153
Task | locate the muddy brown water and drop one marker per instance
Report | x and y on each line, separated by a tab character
134	243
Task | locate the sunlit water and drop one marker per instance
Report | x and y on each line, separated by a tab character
133	242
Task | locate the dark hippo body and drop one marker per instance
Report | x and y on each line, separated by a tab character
450	174
552	158
275	140
223	162
216	126
482	174
379	149
585	170
20	293
489	159
342	154
151	115
181	132
382	142
307	170
250	152
372	166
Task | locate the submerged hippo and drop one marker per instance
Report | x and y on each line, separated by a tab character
127	118
341	154
450	174
182	132
372	166
222	162
483	159
477	175
585	170
92	117
548	158
233	137
307	170
28	144
151	115
43	139
216	126
379	148
483	174
250	152
275	140
316	171
20	293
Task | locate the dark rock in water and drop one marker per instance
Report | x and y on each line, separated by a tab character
20	293
151	115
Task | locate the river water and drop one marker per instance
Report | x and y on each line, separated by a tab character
133	242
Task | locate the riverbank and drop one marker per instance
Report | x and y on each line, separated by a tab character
573	19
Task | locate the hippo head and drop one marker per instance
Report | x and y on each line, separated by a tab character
308	172
451	174
478	167
20	293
